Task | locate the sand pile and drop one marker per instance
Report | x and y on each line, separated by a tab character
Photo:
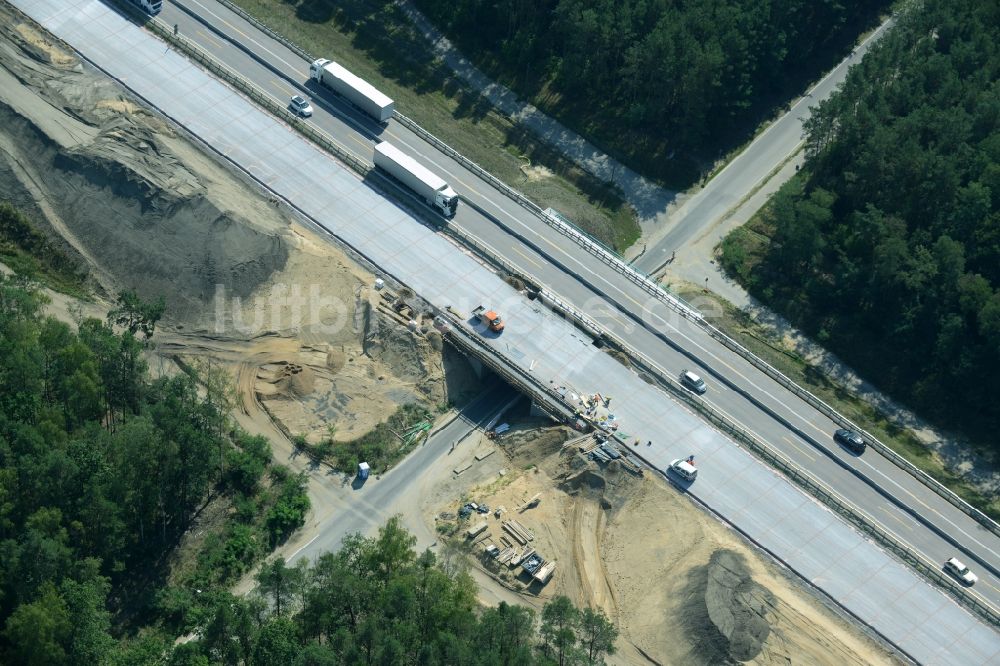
729	609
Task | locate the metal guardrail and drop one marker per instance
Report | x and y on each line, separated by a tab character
649	285
503	366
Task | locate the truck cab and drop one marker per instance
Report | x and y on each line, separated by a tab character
446	201
490	318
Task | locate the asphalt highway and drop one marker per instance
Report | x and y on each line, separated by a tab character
886	494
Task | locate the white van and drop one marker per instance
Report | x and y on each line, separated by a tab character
693	382
683	469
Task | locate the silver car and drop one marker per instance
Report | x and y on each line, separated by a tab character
960	571
300	106
693	382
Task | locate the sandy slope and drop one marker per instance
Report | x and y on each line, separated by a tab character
673	578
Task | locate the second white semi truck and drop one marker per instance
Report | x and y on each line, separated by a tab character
357	91
427	185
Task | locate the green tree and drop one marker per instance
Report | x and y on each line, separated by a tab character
276	643
290	508
281	583
597	635
558	630
37	633
507	632
89	640
392	549
136	315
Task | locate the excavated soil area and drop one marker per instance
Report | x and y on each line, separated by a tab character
140	206
682	587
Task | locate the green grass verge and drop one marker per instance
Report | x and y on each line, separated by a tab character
376	41
31	254
381	447
739	326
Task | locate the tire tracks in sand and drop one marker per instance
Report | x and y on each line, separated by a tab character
588	525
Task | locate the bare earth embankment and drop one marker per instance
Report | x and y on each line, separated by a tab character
682	587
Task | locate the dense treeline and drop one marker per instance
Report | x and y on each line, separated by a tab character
376	601
887	248
101	471
646	78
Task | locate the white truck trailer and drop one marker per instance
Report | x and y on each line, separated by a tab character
427	185
357	91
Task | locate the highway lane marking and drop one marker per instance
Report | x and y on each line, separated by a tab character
970	537
526	257
230	25
799	448
209	38
896	518
466	185
280	85
614	314
355	139
292	556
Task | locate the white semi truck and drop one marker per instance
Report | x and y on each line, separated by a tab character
355	90
427	185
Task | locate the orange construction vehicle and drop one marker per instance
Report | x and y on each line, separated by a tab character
490	318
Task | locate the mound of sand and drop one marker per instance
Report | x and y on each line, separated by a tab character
738	608
288	379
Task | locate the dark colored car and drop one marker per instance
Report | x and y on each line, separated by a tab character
851	440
